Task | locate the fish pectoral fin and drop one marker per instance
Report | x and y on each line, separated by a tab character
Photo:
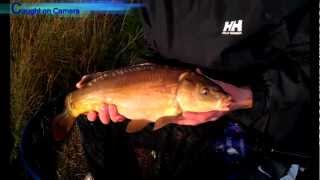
136	125
163	122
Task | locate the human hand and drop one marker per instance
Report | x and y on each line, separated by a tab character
241	99
241	96
108	112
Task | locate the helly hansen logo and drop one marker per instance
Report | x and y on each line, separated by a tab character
232	27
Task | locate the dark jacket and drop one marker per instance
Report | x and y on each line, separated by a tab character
272	55
269	52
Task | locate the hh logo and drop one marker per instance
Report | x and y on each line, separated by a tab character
232	27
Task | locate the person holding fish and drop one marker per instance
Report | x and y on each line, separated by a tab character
247	63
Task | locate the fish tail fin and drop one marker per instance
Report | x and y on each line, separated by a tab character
61	125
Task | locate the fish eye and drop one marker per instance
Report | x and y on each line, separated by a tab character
204	91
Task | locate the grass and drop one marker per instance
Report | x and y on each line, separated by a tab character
71	161
50	54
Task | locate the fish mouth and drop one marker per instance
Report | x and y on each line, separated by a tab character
227	102
223	104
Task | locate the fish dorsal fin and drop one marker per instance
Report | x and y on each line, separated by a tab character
136	125
121	71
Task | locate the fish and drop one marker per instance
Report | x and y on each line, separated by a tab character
146	93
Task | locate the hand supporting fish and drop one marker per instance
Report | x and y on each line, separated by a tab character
148	94
241	99
108	112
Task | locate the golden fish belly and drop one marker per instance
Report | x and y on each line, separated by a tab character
147	102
